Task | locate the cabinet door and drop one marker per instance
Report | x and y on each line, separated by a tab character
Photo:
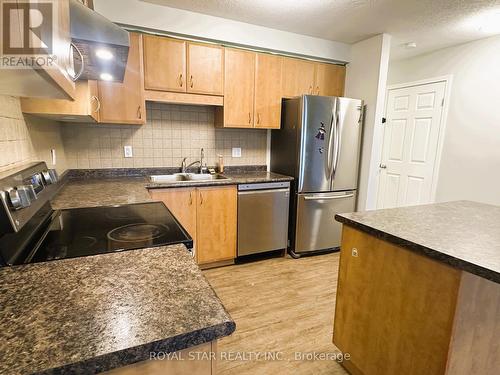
329	80
298	77
267	91
390	302
239	76
164	64
182	203
123	103
205	69
84	107
216	224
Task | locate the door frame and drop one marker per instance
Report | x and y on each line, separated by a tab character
447	79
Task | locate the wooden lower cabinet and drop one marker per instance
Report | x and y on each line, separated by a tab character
216	224
209	215
182	203
198	360
399	312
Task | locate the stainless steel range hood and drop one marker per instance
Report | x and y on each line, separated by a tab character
102	45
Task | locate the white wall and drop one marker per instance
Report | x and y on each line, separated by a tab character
366	79
147	15
470	162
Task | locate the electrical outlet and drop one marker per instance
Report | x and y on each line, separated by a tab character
236	152
53	156
128	151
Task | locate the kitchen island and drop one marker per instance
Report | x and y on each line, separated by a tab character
98	313
419	290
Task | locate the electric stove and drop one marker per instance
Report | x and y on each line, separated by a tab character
46	234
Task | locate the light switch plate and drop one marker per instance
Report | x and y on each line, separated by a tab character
128	151
236	152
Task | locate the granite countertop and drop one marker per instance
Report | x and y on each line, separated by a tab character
107	191
463	234
91	314
101	192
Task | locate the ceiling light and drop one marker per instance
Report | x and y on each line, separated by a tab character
104	54
410	45
486	22
491	22
106	77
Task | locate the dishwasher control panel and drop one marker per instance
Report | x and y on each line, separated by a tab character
264	186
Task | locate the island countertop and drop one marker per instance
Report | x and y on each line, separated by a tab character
462	234
91	314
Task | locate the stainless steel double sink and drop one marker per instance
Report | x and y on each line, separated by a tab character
182	177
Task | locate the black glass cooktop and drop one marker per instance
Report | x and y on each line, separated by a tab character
89	231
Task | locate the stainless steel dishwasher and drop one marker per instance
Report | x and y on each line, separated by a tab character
263	217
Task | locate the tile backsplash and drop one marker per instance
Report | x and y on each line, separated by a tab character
171	133
15	141
25	139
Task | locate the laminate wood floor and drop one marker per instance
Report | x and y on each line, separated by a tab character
279	305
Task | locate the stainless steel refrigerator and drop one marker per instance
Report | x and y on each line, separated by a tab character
319	144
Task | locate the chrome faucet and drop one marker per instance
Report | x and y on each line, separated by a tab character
185	167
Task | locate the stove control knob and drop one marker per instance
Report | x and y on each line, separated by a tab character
30	191
49	176
14	200
19	197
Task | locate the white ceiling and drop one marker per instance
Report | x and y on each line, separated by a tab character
432	24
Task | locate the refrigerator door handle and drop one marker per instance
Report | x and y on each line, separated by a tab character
331	136
337	141
323	198
328	153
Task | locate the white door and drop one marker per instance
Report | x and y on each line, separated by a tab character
411	136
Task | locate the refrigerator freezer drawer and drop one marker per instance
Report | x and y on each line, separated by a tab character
316	228
262	220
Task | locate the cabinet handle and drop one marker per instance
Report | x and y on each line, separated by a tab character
180	80
249	118
258	118
139	113
191	81
98	103
201	198
190	198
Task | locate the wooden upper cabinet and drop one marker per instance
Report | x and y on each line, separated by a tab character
329	80
205	67
267	91
123	103
216	224
85	106
164	64
239	77
298	77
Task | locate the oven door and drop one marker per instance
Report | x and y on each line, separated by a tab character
20	247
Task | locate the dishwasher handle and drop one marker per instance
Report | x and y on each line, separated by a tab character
250	192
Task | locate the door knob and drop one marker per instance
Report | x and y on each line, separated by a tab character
382	166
